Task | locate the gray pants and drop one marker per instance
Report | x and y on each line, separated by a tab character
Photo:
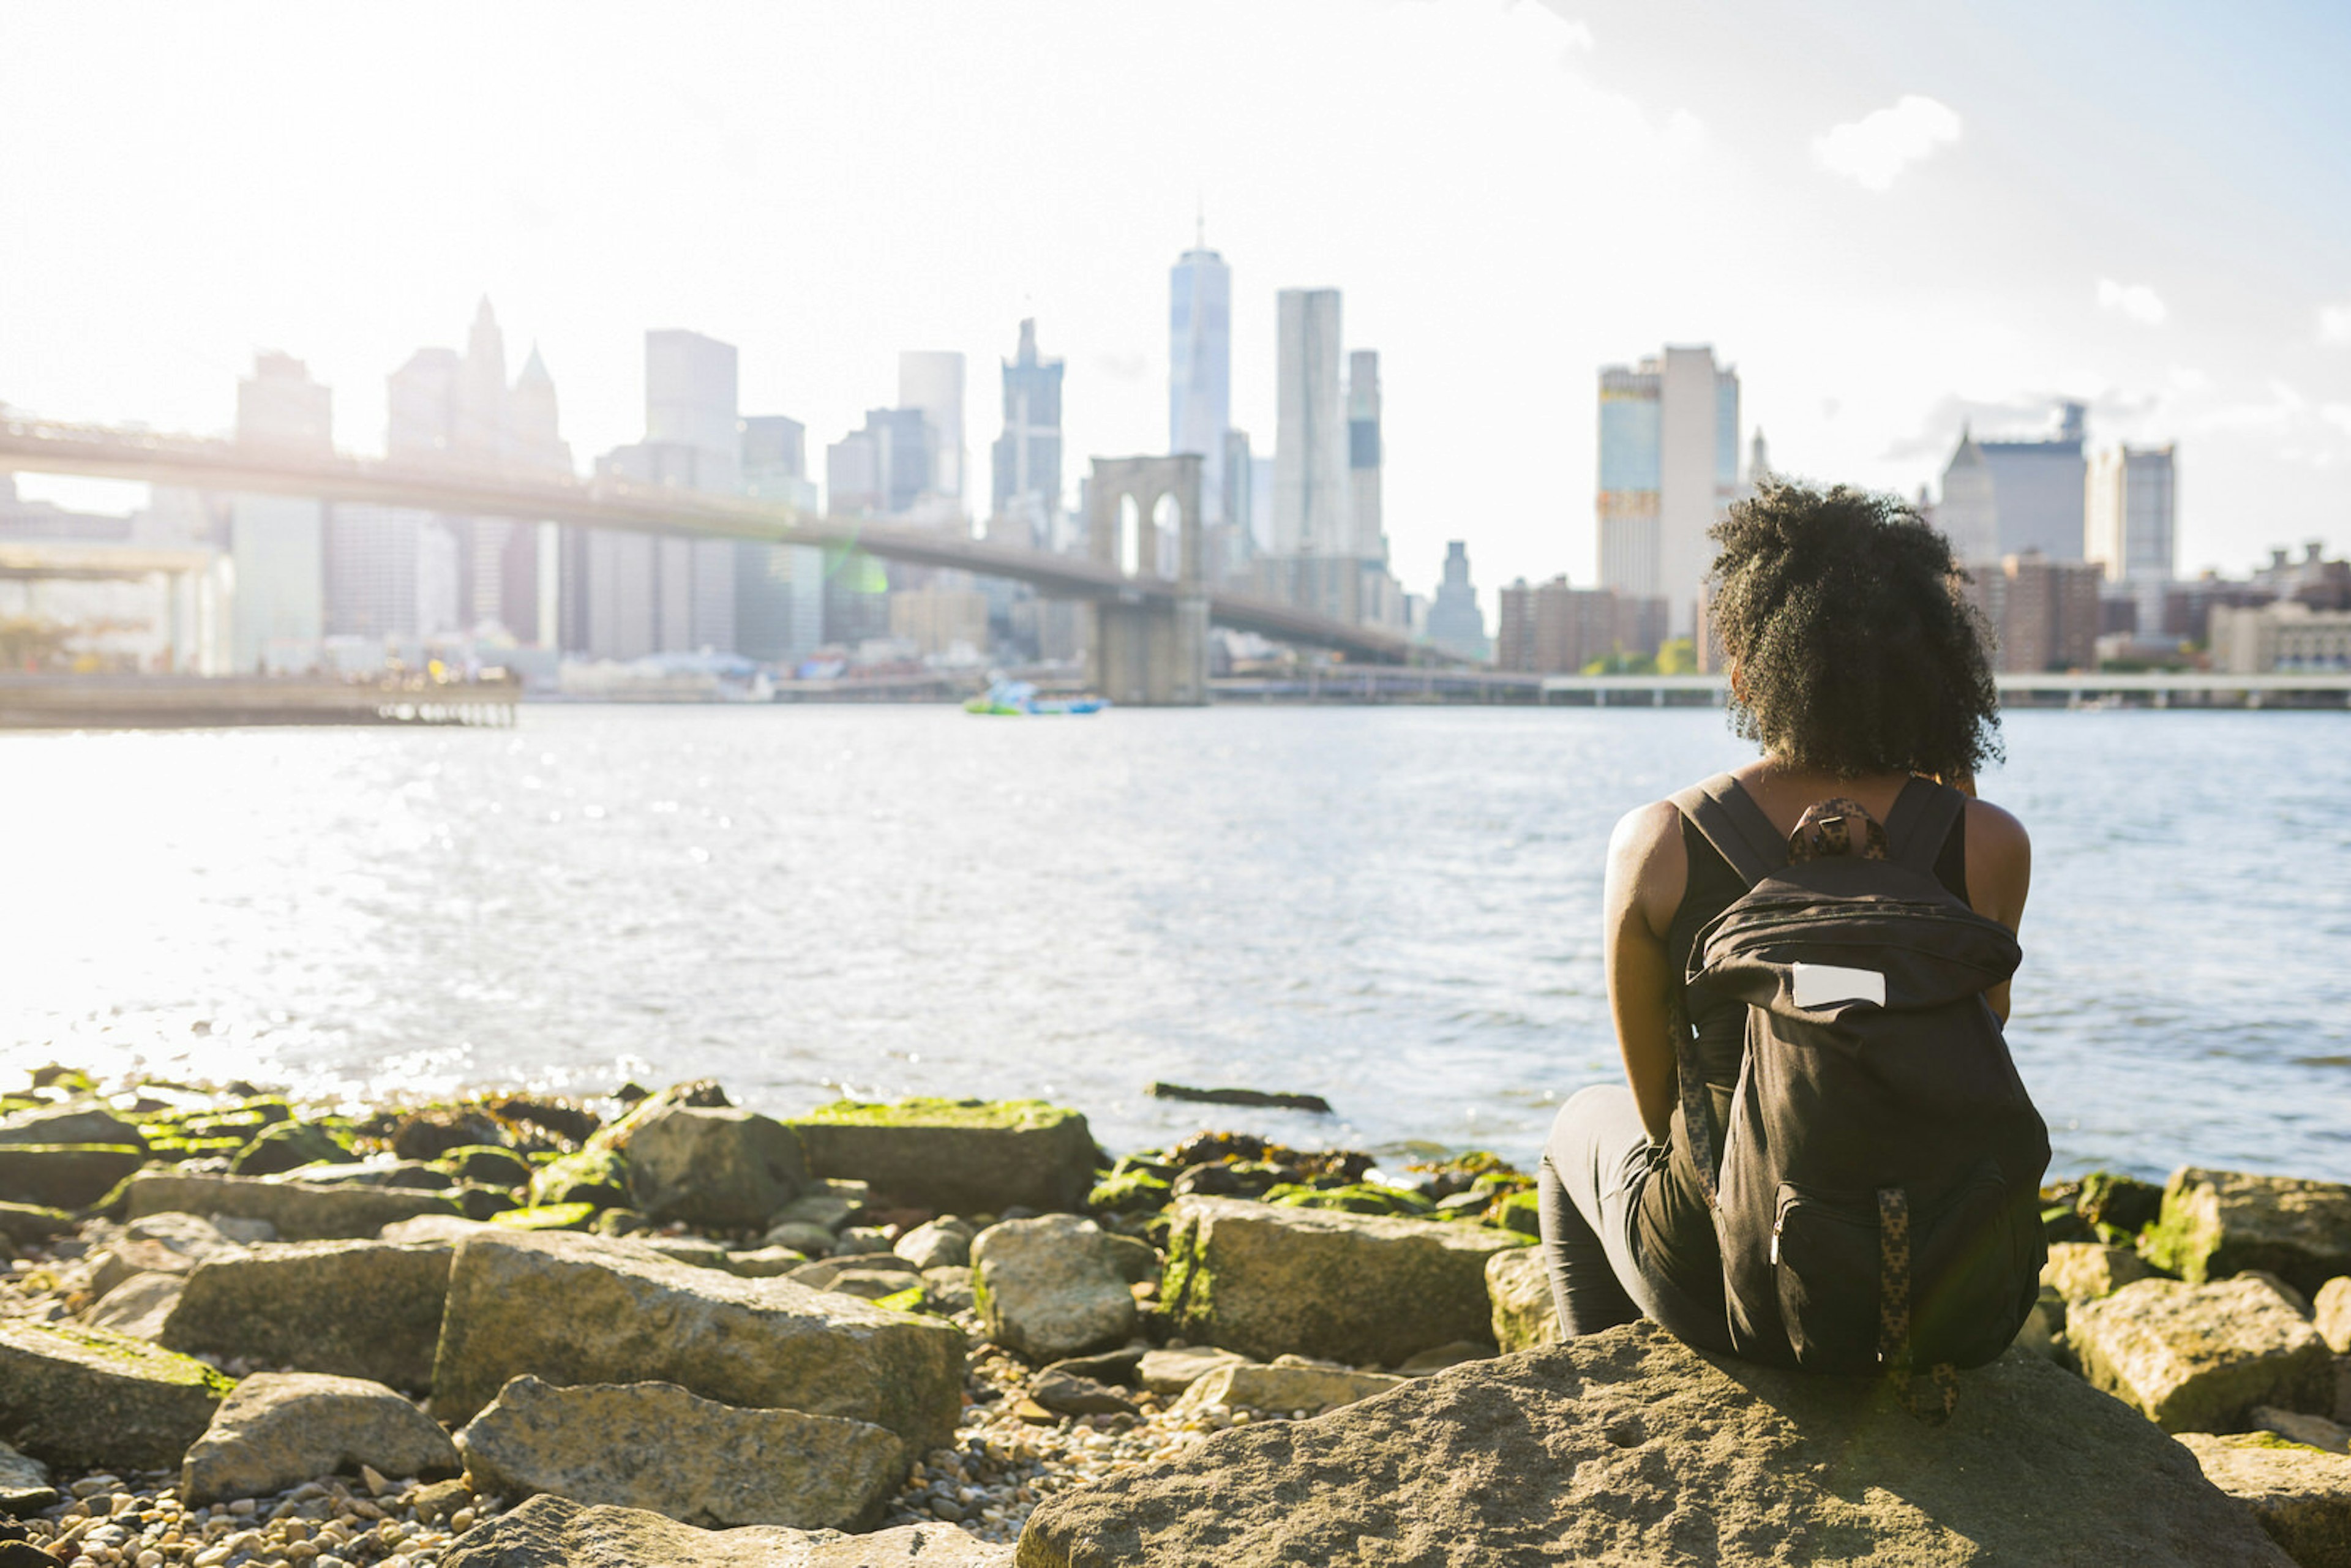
1594	1165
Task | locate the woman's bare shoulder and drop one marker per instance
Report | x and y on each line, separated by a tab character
1996	828
1648	868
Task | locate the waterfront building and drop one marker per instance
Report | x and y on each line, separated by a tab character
2287	635
1553	629
941	620
1668	468
1027	488
930	383
1200	369
1456	623
2044	615
276	543
2017	497
1241	514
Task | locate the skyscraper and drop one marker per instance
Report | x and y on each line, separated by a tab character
779	588
1310	452
1668	467
931	380
1455	622
1367	533
2130	514
1027	489
1199	368
639	594
277	541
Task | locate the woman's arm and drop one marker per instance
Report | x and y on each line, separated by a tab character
1647	871
2000	871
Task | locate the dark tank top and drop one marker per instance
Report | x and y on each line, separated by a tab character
1676	1231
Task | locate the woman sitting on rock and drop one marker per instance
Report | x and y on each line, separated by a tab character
1856	665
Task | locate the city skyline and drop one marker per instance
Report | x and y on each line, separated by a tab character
2187	286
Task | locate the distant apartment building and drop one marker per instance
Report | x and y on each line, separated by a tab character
1027	484
1200	369
276	543
2044	615
2129	517
1668	468
1455	622
2014	497
2286	636
1553	629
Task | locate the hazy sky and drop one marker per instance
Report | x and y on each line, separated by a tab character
1889	218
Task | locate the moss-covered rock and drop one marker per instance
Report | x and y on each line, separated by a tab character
2196	1358
25	1224
1517	1211
288	1147
64	1175
598	1176
548	1216
2117	1206
1268	1280
487	1163
1525	1314
957	1157
2214	1224
1130	1192
85	1398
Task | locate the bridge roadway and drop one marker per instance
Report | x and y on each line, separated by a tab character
459	490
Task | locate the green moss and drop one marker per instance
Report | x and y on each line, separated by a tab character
2176	1245
1131	1193
138	1358
548	1216
909	1300
1005	1114
2272	1440
1356	1198
289	1146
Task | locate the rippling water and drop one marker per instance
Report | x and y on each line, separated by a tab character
1396	908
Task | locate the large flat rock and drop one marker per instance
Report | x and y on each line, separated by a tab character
280	1429
582	1309
1627	1450
354	1309
65	1175
2197	1358
957	1157
2301	1496
83	1397
2219	1223
550	1532
301	1211
654	1445
1267	1280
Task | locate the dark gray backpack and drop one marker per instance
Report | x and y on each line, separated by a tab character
1877	1204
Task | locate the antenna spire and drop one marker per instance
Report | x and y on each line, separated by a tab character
1199	221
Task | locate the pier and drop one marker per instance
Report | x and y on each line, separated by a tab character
207	701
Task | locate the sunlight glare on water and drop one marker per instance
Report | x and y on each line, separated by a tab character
1396	908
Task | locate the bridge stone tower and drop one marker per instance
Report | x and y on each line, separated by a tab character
1150	644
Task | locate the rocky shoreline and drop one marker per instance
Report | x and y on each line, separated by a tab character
659	1328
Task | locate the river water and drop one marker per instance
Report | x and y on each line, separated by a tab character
1396	908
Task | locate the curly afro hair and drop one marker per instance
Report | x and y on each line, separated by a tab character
1856	653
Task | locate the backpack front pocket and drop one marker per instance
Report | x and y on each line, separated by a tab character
1825	1261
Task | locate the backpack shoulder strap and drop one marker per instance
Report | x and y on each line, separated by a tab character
1735	825
1921	819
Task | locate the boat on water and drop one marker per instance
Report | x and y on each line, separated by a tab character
1019	698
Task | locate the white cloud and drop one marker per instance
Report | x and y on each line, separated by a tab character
2335	323
1872	151
2136	300
2337	414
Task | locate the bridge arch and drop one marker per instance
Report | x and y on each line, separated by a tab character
1143	520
